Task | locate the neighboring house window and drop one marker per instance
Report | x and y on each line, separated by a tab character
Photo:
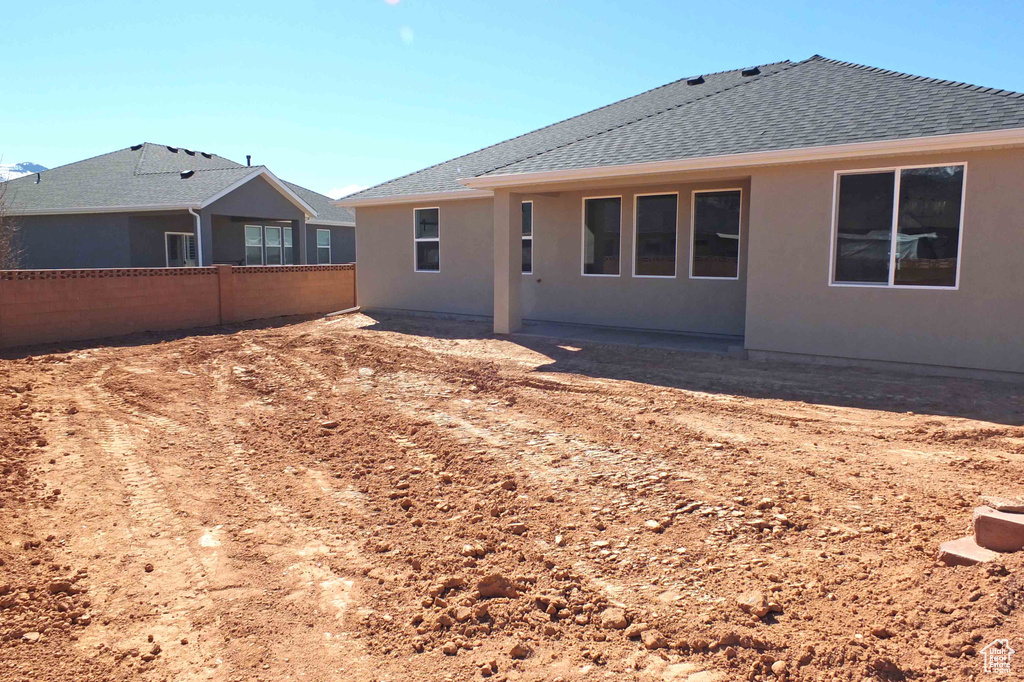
273	248
527	237
180	249
427	239
898	227
323	247
289	252
253	245
602	218
655	242
716	234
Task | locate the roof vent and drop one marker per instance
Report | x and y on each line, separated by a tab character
248	159
752	71
136	147
187	174
695	81
173	150
205	155
39	178
190	152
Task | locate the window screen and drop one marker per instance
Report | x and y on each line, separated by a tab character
656	235
528	237
427	239
323	247
273	245
253	245
864	227
716	234
601	223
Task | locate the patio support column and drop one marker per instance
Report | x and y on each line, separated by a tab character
508	263
299	234
206	236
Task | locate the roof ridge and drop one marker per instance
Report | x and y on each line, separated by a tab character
923	79
752	79
198	170
551	125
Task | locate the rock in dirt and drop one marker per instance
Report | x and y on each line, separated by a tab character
520	651
1013	505
614	619
149	568
31	637
496	585
753	603
653	526
653	639
329	424
780	668
964	552
449	649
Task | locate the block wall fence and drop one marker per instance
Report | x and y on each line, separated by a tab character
47	306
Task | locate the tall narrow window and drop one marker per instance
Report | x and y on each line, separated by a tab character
272	237
601	222
323	247
527	237
656	235
427	239
289	251
898	227
716	234
253	245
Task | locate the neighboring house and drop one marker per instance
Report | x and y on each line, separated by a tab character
154	206
817	209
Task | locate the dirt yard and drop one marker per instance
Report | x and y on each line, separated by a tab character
398	498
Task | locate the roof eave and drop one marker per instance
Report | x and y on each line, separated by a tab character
935	143
453	195
14	211
331	223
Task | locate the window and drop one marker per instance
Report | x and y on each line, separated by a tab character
527	237
602	217
655	235
898	227
427	239
180	249
323	247
272	238
253	245
716	234
289	252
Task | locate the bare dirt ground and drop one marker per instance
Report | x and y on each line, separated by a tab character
397	498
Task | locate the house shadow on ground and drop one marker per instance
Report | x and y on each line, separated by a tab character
998	402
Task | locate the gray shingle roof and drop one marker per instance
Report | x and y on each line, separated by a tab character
326	209
816	102
144	175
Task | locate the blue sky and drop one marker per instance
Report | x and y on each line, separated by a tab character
347	94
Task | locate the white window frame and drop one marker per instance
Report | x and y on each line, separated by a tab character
533	221
416	240
893	228
290	231
245	246
636	232
167	251
583	234
693	232
330	247
280	246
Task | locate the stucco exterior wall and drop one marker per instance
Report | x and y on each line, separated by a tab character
343	243
99	240
465	282
792	309
557	291
147	240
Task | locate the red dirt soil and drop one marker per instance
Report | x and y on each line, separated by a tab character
398	498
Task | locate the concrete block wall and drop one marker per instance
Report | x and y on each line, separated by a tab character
47	306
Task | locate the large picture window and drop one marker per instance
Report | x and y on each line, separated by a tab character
655	242
427	239
602	217
716	234
527	237
898	227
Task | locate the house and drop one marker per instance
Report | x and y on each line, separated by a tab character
819	210
153	206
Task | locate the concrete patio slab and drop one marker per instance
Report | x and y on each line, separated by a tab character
690	343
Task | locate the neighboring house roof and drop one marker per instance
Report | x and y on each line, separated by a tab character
149	177
818	102
327	212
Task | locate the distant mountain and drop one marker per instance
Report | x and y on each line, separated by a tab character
9	171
